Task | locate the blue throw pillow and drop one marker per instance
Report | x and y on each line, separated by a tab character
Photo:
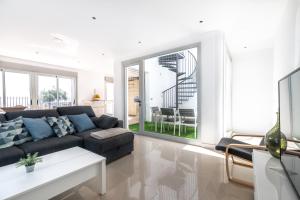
81	122
38	128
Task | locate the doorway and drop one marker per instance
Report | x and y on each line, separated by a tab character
161	95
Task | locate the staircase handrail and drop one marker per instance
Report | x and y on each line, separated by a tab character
188	76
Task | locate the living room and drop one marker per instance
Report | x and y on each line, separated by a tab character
149	99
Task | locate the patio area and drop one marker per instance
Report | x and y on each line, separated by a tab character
150	127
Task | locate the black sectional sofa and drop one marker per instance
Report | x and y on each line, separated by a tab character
111	148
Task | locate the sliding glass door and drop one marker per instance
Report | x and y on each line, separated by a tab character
133	97
162	95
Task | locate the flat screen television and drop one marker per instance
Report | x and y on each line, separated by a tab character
289	109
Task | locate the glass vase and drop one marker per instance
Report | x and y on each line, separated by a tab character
275	140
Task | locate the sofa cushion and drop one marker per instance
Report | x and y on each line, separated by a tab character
38	128
12	132
86	134
10	155
2	118
76	110
105	122
82	122
61	125
120	124
32	114
21	135
7	135
100	146
51	144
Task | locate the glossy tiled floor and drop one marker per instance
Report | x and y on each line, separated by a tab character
163	170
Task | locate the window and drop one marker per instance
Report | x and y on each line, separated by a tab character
55	91
66	92
41	91
47	92
17	89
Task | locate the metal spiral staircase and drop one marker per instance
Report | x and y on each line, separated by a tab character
184	65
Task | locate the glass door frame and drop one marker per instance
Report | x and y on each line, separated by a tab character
141	63
141	95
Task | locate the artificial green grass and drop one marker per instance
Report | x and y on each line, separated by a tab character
150	127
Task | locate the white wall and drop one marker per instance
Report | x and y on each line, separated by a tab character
91	80
211	91
287	45
252	97
228	70
256	75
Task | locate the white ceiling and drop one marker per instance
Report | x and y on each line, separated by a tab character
62	32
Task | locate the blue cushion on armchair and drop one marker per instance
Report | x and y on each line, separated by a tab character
82	122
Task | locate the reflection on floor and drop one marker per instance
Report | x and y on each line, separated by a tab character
186	132
163	170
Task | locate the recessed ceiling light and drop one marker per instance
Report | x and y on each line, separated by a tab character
94	18
139	42
201	21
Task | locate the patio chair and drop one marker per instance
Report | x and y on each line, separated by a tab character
168	116
188	118
155	116
241	150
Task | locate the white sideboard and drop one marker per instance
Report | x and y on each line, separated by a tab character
270	180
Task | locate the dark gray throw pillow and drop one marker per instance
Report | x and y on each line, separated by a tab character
106	122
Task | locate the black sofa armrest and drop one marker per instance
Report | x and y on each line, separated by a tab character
120	124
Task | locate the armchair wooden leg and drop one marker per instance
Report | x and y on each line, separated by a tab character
244	164
232	179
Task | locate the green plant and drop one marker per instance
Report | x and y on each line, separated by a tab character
29	160
52	95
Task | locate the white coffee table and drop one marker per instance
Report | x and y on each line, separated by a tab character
57	173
